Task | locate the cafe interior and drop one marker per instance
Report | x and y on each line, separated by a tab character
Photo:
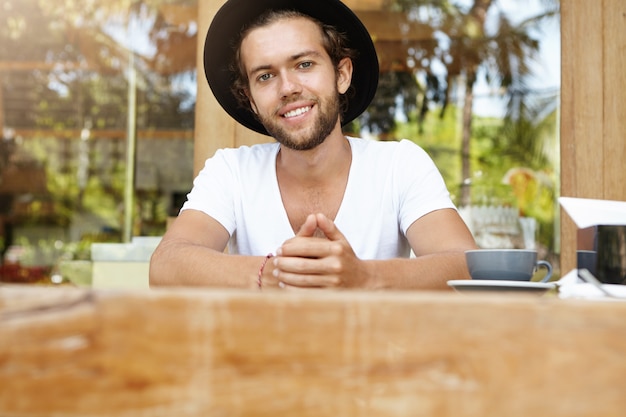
106	117
105	124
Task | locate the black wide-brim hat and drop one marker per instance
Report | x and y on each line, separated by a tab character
235	14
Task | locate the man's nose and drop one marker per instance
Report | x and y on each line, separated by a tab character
289	84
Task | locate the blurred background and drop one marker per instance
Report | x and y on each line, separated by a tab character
97	108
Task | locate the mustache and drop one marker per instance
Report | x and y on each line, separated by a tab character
290	100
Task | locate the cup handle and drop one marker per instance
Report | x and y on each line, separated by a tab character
546	265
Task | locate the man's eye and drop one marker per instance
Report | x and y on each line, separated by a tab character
307	64
264	77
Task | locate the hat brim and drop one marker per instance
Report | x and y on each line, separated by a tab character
234	14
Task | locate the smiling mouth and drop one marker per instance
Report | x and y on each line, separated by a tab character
297	112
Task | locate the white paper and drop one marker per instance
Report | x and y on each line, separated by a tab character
587	212
570	286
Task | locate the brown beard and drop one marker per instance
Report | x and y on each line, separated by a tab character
322	128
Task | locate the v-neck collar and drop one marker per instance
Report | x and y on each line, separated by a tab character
285	225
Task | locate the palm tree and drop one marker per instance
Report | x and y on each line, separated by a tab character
465	50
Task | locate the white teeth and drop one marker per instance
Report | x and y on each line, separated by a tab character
297	112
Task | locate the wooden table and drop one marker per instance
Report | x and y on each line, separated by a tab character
175	353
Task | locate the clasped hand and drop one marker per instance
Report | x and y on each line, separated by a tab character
309	261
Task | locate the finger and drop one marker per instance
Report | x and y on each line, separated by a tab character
291	288
328	227
294	265
298	249
303	272
308	227
290	280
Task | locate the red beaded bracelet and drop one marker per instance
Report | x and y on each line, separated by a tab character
259	280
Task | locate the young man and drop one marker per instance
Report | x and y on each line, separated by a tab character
316	209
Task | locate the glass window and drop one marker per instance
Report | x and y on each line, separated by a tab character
476	84
97	103
96	98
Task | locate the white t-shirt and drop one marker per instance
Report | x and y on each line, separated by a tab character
390	185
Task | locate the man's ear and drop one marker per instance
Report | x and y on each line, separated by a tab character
344	75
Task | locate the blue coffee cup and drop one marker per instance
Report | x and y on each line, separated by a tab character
506	264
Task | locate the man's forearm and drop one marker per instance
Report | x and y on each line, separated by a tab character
427	272
186	264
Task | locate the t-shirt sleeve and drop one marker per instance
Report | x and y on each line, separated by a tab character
215	190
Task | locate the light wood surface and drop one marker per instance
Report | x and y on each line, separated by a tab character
593	103
67	352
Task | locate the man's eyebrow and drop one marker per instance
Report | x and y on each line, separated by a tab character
260	68
295	57
304	54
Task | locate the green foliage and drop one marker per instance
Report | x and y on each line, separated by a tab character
440	137
94	95
81	83
499	147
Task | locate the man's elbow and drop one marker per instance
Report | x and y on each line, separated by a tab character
157	272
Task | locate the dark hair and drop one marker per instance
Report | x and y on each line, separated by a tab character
334	42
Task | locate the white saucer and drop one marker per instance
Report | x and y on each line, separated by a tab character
474	285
